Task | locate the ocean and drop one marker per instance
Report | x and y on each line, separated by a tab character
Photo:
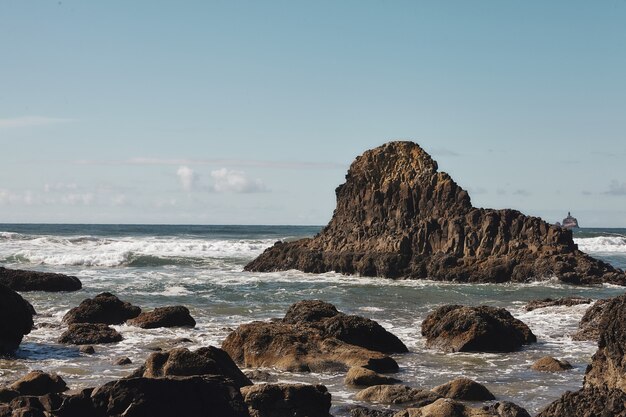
201	267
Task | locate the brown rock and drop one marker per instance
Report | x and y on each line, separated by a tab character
176	316
593	322
464	389
123	361
455	328
7	394
398	217
397	394
282	400
20	280
87	349
39	383
359	376
588	402
550	364
552	302
260	376
445	407
16	320
89	334
103	308
359	411
507	409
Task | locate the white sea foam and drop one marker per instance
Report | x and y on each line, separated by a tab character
602	244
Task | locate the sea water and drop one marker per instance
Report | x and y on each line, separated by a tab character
201	267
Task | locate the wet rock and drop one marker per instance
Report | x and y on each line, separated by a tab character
359	376
359	411
39	383
7	394
16	320
182	362
89	334
397	394
123	361
506	409
20	280
593	322
550	364
455	328
464	389
552	302
87	349
446	407
309	311
260	375
176	316
281	400
588	402
398	217
103	308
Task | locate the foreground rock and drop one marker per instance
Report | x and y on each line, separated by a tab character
455	328
21	280
89	334
362	377
445	407
464	389
103	308
553	302
588	402
398	217
397	394
176	316
16	320
593	322
39	383
550	364
182	362
283	400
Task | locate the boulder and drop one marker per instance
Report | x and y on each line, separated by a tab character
588	402
359	411
363	377
16	320
397	394
397	216
176	316
507	409
550	364
283	400
123	361
20	280
593	322
446	407
552	302
87	349
103	308
309	311
89	334
182	362
39	383
257	375
455	328
464	389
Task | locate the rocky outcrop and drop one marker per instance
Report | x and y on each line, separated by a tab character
182	362
175	316
103	308
397	394
588	402
21	280
593	322
89	334
397	216
464	389
445	407
455	328
39	383
362	377
553	302
282	400
16	320
550	364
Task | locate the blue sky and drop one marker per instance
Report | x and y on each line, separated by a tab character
250	112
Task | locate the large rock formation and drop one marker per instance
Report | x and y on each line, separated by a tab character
174	316
16	319
283	400
398	217
103	308
22	280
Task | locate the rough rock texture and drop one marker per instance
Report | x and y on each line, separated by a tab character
20	280
397	394
175	316
362	377
398	217
182	362
16	319
593	322
507	409
445	407
359	411
123	361
455	328
550	364
287	400
89	334
257	375
103	308
551	302
588	402
464	389
39	383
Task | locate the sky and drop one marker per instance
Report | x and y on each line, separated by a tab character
249	112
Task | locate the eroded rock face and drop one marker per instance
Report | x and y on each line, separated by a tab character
398	217
397	394
282	400
21	280
445	407
593	322
464	389
103	308
455	328
16	320
89	334
174	316
588	402
39	383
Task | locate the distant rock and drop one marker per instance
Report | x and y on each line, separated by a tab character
103	308
455	328
550	364
39	383
464	389
398	217
282	400
593	322
552	302
397	394
16	319
87	349
89	334
359	376
175	316
22	280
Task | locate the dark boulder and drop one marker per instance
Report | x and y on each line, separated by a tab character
362	377
16	320
123	361
309	311
550	364
89	334
176	316
360	411
283	400
455	328
464	389
506	409
103	308
588	402
593	322
39	383
21	280
552	302
397	394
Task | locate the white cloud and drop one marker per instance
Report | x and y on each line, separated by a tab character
27	121
187	177
617	188
60	186
74	199
231	181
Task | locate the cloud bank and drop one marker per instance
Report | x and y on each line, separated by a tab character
231	181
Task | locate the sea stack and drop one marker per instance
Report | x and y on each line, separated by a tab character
397	216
